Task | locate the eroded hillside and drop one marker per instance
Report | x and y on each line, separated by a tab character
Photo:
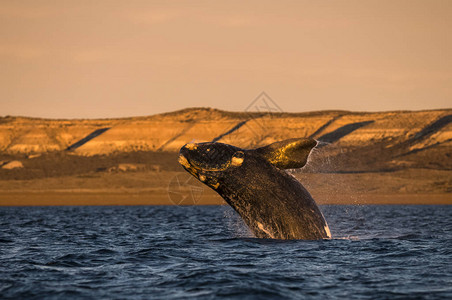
114	161
414	131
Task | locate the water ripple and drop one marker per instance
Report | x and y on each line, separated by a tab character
377	252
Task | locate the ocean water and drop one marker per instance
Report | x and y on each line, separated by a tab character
205	252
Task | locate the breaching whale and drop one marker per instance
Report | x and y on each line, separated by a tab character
273	203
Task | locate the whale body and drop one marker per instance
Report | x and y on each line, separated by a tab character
273	203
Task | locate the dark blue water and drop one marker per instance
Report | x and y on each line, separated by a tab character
377	252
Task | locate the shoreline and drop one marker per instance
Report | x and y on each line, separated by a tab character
161	197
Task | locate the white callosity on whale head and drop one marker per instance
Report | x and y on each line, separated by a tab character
183	161
237	158
237	161
191	146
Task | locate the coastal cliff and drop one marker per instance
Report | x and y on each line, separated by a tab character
168	132
401	152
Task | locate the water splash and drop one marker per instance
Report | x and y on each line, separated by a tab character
235	223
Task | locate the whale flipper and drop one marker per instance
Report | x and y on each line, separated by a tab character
288	154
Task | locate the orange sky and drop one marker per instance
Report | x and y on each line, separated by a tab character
73	59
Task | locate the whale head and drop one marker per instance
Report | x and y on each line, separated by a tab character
210	162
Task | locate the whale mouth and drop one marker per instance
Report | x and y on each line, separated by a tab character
198	172
183	161
193	170
187	164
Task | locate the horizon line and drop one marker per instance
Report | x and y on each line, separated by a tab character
204	108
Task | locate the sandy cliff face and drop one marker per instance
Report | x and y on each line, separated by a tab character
168	132
96	161
32	136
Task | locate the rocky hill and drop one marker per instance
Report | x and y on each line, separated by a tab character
353	143
391	138
417	131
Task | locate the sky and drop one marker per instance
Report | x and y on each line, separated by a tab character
105	58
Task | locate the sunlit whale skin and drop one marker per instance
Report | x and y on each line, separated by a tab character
273	203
